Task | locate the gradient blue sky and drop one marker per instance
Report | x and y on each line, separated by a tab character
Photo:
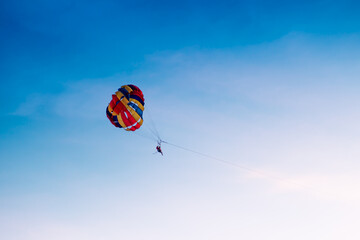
271	85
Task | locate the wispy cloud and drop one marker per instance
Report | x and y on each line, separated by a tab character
331	187
31	105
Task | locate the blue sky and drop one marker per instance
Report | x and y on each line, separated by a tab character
270	85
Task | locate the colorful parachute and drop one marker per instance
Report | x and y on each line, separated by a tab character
126	108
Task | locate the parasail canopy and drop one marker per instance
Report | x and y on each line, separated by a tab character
126	108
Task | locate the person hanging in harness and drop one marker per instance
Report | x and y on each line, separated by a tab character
158	148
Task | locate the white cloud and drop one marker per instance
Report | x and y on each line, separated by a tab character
331	187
